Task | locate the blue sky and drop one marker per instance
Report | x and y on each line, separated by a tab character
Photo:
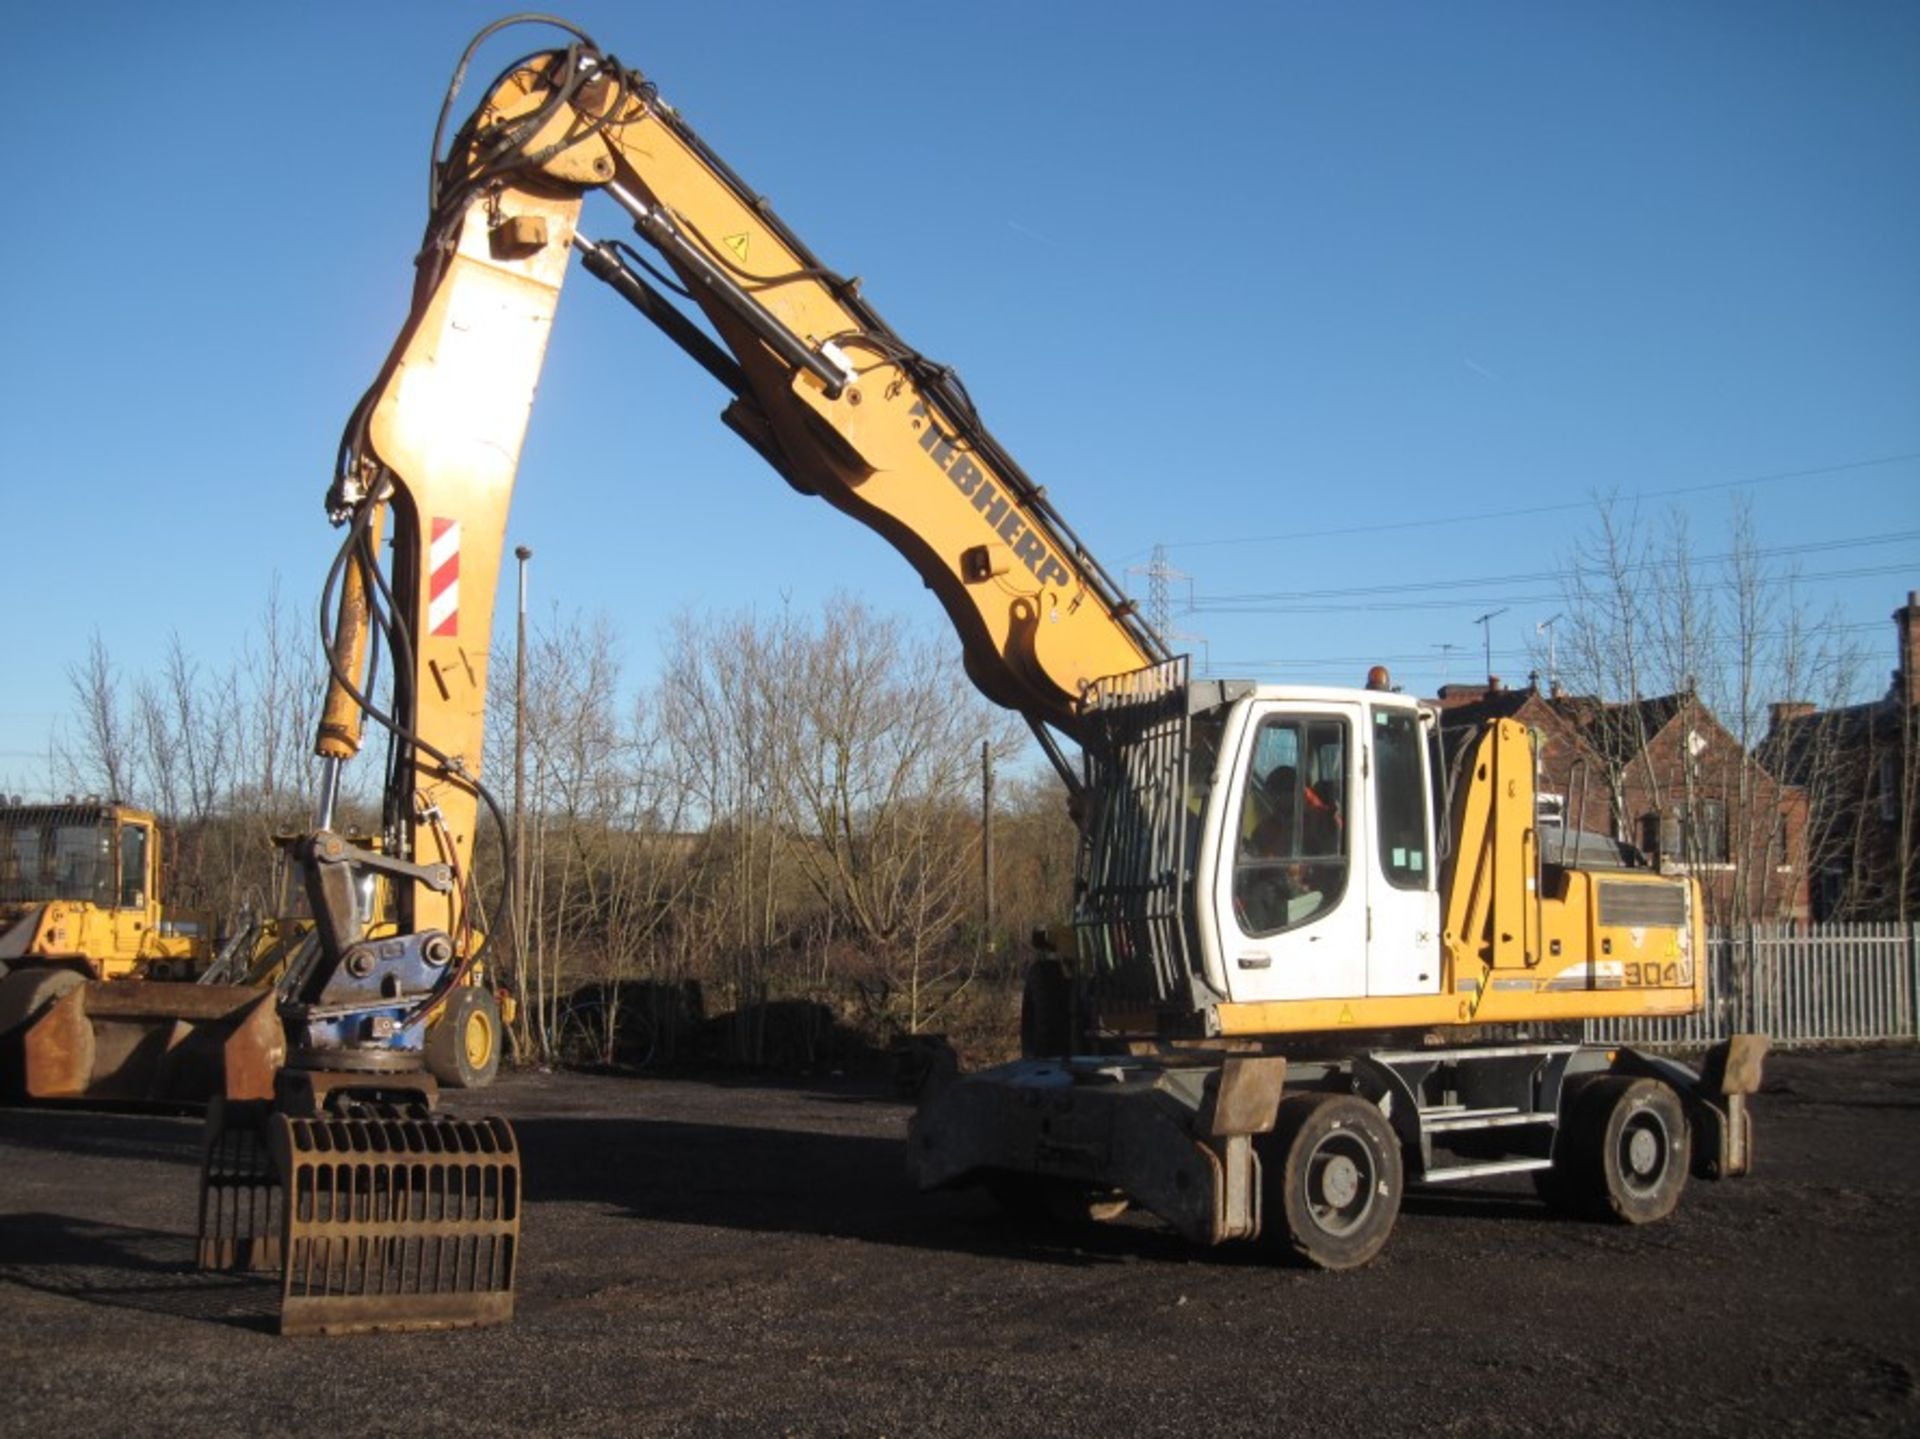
1316	295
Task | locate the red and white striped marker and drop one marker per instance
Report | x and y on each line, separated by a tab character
443	578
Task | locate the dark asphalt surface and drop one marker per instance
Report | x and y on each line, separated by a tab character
709	1258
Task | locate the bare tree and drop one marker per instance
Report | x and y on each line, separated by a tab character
721	710
1679	655
103	761
785	821
875	772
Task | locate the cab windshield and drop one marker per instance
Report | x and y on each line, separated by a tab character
49	854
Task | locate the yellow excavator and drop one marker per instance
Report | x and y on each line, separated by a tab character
1315	959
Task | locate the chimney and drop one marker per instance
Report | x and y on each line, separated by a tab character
1452	695
1906	679
1784	712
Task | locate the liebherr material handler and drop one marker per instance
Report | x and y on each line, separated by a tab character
1294	920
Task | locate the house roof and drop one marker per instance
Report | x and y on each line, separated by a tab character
1476	705
1790	747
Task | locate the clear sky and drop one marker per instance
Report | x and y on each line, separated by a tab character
1316	295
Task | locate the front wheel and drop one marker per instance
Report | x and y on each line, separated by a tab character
1622	1153
463	1046
1332	1180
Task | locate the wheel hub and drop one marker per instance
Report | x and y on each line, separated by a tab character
479	1040
1340	1181
1644	1152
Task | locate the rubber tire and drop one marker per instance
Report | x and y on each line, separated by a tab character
28	991
1332	1181
463	1044
1625	1155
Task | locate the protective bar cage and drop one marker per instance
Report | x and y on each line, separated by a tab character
1131	919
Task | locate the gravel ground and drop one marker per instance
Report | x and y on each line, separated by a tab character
747	1259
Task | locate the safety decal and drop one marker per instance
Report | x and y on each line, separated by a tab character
737	244
443	578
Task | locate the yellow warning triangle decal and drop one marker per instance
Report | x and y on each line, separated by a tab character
737	244
1346	1014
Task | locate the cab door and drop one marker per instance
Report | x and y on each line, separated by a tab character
133	898
1289	900
1403	952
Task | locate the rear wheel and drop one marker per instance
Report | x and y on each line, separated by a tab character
463	1046
1333	1180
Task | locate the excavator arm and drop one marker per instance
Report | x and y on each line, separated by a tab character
820	386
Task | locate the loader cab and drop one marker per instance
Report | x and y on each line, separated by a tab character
1317	872
72	853
89	871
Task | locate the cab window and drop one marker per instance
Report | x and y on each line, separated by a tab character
133	866
1290	865
1400	798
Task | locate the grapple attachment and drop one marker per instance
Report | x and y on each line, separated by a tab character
240	1191
407	1223
384	1223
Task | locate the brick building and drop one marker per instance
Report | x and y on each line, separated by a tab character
1665	777
1861	766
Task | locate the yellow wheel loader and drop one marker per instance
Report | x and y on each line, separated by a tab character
107	996
98	991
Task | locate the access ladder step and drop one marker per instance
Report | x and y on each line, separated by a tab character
1453	1174
1452	1118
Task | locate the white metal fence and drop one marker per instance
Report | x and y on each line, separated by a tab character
1820	984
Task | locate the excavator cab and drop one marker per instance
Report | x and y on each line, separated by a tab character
1323	881
1275	860
1308	839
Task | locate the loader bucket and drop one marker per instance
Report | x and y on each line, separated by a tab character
396	1224
154	1042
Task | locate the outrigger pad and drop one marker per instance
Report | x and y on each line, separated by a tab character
396	1223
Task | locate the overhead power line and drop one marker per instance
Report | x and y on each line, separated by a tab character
1235	606
1556	508
1500	652
1534	577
